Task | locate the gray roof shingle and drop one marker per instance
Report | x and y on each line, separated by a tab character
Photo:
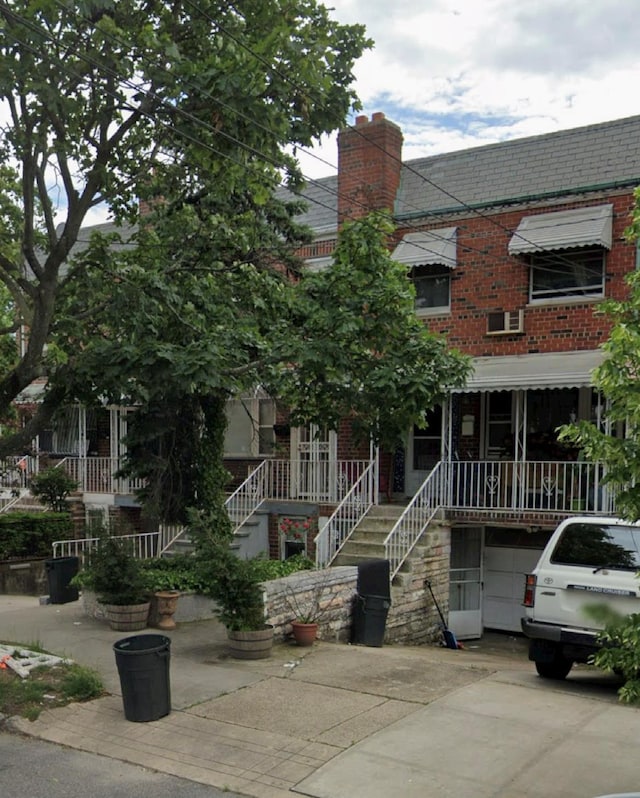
552	164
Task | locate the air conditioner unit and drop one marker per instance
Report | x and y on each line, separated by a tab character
504	322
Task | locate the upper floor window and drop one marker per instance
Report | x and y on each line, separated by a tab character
567	274
433	287
250	427
430	256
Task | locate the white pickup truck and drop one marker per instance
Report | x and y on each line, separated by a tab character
587	561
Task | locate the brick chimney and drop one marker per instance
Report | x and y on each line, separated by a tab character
369	164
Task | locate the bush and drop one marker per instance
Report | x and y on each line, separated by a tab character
114	573
32	534
172	573
52	486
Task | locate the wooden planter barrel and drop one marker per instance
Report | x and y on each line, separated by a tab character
256	644
127	617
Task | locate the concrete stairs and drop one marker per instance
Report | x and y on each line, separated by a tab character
367	541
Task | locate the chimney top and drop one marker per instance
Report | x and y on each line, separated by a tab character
378	116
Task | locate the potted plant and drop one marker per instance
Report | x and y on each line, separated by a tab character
116	577
304	599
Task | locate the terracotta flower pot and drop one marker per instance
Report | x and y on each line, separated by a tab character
304	633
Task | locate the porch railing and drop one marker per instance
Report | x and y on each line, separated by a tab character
421	509
528	487
353	507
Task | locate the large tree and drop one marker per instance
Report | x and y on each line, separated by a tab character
107	101
194	110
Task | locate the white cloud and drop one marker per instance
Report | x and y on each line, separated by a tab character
462	73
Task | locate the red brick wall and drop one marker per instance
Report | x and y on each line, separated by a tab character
369	164
488	279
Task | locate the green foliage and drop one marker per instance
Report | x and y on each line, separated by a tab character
81	684
32	534
360	351
620	650
46	688
265	569
136	100
114	573
172	573
52	486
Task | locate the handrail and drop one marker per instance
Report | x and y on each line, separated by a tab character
339	526
418	513
246	498
144	544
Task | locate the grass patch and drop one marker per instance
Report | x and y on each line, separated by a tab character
47	687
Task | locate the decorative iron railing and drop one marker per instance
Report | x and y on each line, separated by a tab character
353	507
414	519
528	487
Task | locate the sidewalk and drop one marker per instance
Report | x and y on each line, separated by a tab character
338	720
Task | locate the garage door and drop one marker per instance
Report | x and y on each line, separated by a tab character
504	575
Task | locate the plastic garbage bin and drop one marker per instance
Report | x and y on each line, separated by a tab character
374	578
60	571
370	620
143	667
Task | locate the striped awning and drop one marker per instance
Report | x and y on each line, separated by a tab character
428	247
543	370
579	227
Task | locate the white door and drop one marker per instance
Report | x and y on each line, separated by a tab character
505	569
465	583
424	450
314	463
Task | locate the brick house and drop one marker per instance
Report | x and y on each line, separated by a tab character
510	246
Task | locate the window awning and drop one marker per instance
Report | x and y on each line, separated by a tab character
579	227
544	370
428	247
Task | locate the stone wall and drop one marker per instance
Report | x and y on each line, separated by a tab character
413	618
329	593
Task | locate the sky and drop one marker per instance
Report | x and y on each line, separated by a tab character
462	73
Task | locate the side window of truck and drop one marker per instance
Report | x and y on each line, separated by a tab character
599	546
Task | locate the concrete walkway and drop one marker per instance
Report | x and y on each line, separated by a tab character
338	720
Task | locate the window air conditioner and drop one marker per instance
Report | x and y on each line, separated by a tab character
505	322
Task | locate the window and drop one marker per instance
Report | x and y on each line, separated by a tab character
432	284
568	273
250	431
601	546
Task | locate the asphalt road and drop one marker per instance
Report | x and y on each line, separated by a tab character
37	769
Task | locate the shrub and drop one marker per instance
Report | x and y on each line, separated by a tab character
114	573
32	534
52	486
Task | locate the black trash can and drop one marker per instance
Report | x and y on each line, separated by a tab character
370	620
143	667
60	571
374	578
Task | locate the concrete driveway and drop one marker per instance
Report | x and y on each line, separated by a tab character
338	721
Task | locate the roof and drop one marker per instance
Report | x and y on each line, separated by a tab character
599	155
604	155
540	370
578	227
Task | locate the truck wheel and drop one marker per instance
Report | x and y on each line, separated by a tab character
557	669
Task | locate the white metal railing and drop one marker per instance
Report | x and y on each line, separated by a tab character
323	482
529	487
353	507
421	509
97	475
143	545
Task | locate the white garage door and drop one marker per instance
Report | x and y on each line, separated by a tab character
504	575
